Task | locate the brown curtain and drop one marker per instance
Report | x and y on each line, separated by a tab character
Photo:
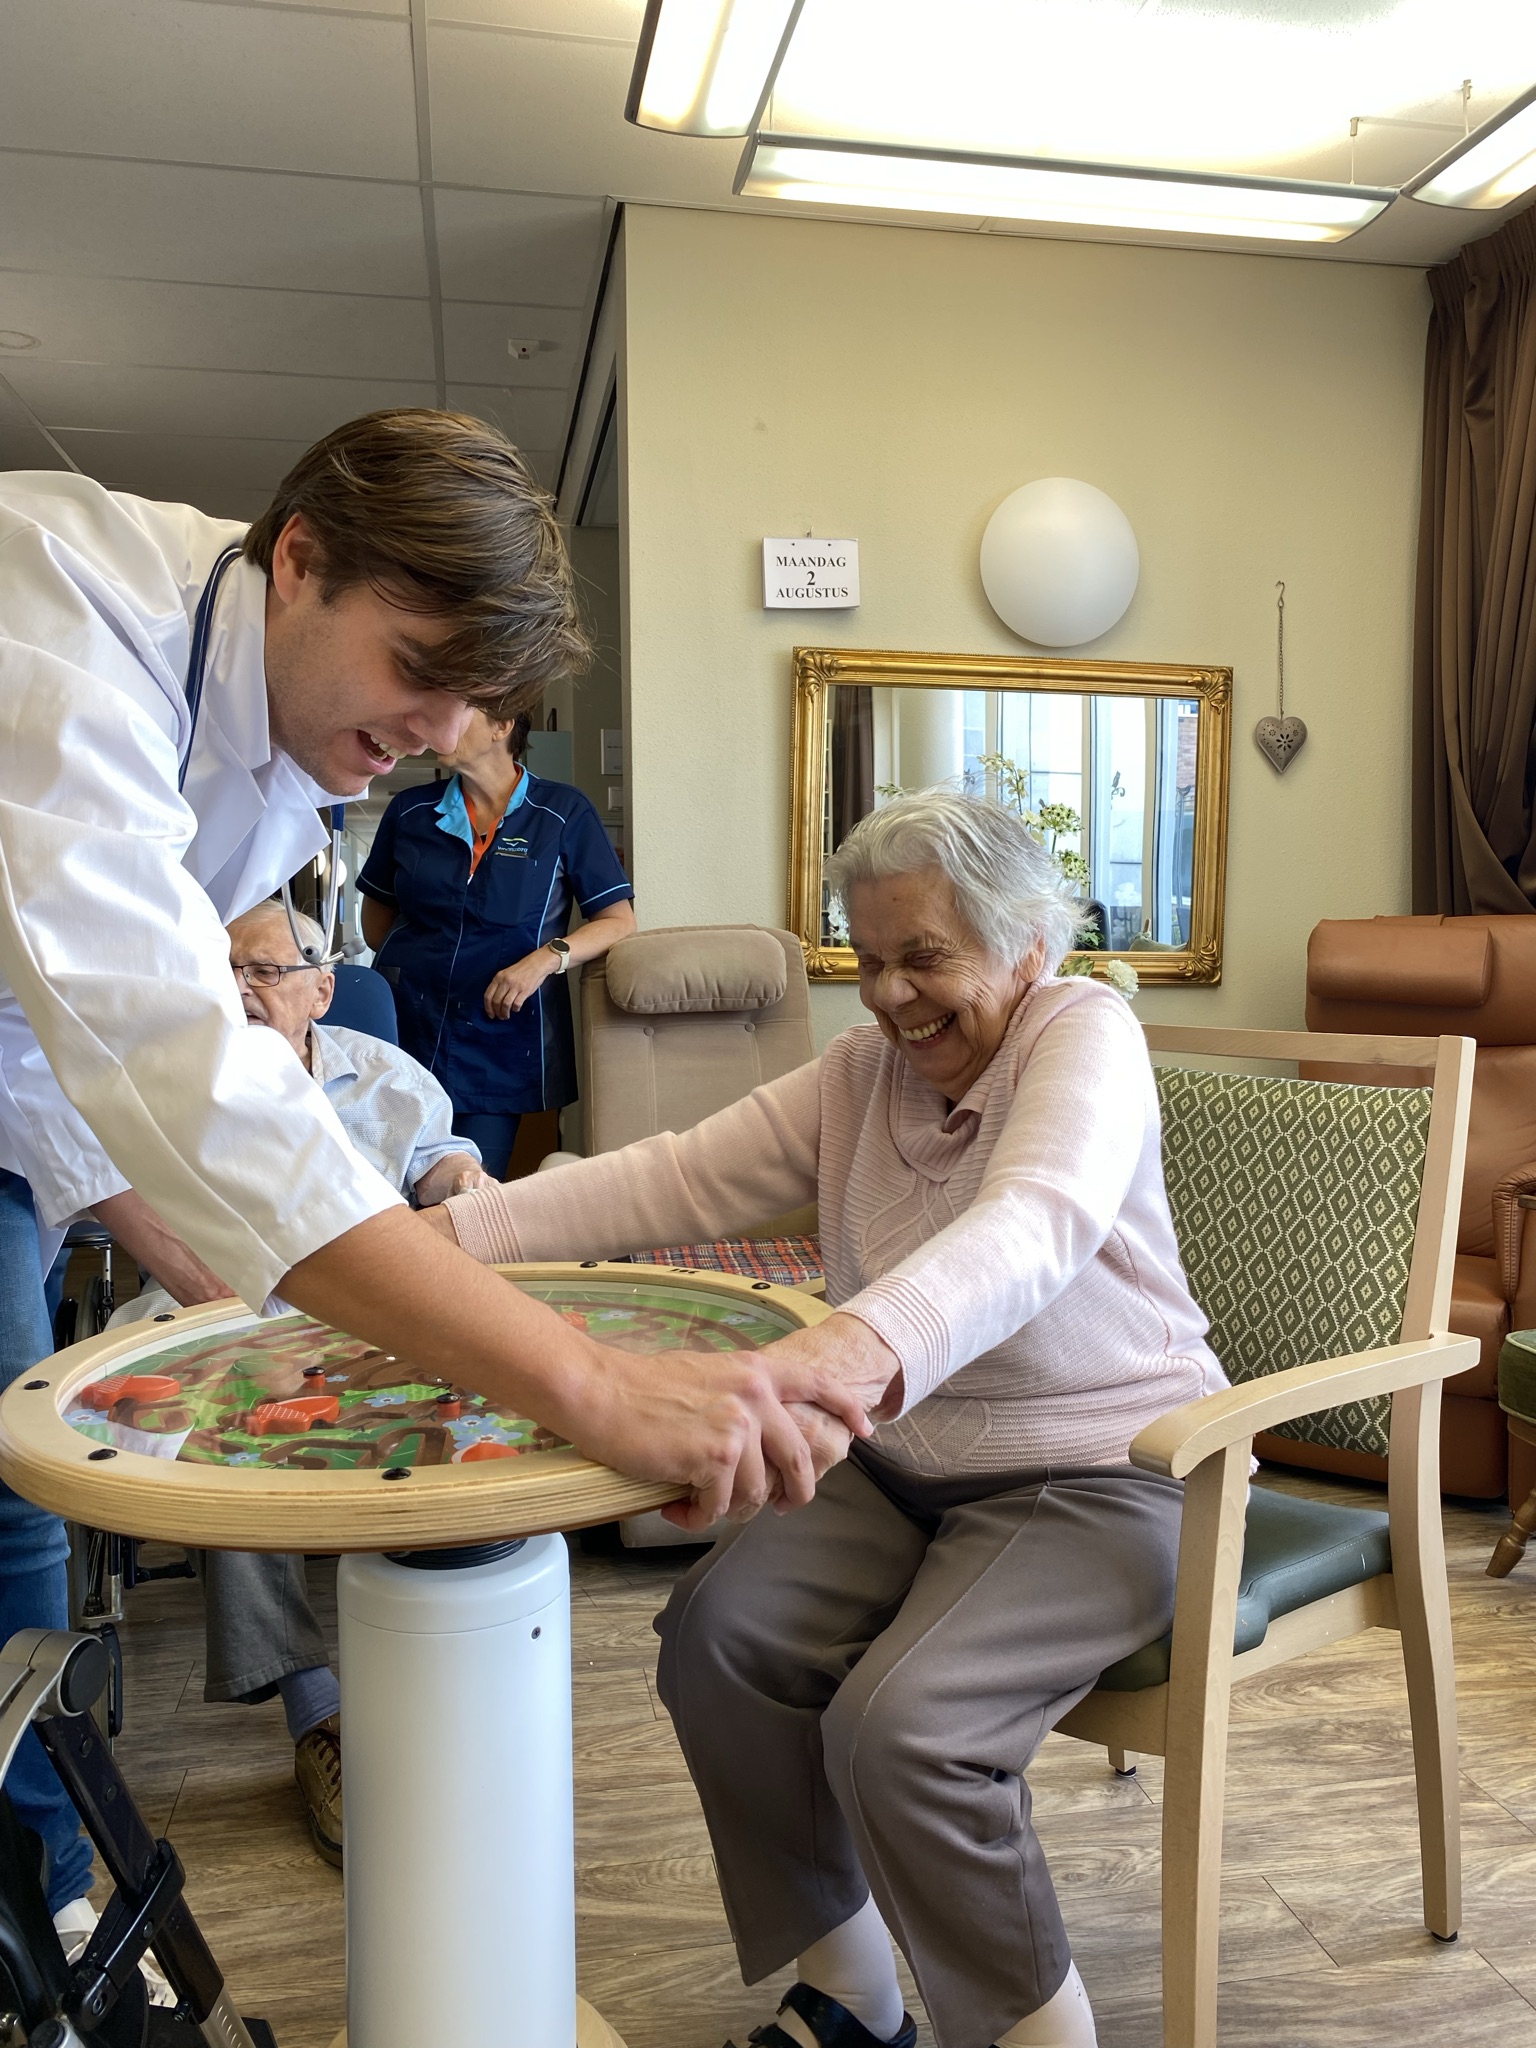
853	757
1475	625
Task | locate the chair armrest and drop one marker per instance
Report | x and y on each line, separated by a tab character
1180	1440
554	1159
1516	1191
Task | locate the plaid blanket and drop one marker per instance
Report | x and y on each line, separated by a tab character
783	1260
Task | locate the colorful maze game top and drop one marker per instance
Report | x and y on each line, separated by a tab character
291	1393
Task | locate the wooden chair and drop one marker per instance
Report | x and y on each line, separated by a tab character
1317	1223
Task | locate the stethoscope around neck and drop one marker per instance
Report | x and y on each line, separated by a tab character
197	668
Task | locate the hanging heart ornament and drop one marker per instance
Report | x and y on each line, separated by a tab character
1280	740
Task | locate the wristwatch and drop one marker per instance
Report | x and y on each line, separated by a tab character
562	952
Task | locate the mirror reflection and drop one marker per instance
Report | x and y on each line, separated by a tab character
1109	782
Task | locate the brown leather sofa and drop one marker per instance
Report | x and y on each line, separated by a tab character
1474	977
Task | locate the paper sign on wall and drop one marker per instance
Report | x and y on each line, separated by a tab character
810	575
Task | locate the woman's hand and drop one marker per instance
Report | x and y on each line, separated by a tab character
852	1355
511	988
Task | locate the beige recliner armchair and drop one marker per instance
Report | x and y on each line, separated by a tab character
675	1024
679	1022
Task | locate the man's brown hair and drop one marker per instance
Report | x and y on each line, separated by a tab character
440	514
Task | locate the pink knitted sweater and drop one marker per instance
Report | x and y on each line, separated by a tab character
1015	1251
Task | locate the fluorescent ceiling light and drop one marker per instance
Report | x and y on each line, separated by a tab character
705	67
827	173
1250	88
1490	168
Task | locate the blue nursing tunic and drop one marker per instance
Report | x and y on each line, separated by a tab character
455	931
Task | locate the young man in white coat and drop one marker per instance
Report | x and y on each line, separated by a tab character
177	697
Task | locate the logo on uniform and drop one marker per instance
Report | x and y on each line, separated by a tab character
518	848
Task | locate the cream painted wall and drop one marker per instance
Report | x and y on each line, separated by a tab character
594	700
1256	417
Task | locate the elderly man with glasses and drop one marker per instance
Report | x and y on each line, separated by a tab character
394	1112
262	1635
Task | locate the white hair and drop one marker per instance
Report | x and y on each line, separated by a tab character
1006	886
310	936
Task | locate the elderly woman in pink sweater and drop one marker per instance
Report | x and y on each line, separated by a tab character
859	1687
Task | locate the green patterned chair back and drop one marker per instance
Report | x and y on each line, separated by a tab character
1295	1204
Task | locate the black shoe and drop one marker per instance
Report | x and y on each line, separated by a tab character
833	2025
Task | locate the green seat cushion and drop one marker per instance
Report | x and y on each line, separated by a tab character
1294	1552
1517	1374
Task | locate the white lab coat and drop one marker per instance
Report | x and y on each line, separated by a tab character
114	889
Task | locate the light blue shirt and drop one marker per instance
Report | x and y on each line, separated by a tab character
396	1115
453	812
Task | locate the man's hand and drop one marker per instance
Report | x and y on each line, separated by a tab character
737	1426
454	1174
858	1360
511	988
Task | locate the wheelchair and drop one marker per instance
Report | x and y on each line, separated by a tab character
102	1566
50	1680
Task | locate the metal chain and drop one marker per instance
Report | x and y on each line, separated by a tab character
1280	642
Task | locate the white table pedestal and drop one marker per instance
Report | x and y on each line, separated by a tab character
460	1859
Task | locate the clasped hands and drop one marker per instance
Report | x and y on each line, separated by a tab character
832	1381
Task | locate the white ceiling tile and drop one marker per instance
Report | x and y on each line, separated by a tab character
475	344
86	395
274	87
88	216
217	327
533	420
346	6
228	504
619	19
23	447
517	247
536	114
191	469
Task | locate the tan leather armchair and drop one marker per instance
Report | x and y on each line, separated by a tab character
1475	977
684	1020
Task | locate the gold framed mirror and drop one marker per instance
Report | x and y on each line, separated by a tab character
1125	763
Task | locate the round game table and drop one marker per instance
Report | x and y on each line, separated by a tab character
218	1429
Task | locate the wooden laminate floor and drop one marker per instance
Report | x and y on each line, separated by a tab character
1322	1937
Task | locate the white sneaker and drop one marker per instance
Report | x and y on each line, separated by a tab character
76	1923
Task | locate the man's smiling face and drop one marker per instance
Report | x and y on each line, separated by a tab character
341	701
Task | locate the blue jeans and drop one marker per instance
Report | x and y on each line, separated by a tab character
34	1584
494	1135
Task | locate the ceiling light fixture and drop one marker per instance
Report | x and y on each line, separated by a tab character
706	67
825	172
1495	164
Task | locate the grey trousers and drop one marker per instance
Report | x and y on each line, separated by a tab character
858	1688
258	1623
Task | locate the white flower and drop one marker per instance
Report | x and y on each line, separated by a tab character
1123	977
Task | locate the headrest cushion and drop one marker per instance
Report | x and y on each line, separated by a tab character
674	973
1441	966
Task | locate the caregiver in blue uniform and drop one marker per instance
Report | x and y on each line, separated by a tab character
467	895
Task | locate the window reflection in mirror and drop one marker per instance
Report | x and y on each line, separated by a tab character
1122	767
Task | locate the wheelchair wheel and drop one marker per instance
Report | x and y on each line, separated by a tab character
95	1308
65	1322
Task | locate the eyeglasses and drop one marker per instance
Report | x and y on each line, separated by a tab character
265	973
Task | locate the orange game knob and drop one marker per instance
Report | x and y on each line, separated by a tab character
473	1453
291	1418
106	1394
